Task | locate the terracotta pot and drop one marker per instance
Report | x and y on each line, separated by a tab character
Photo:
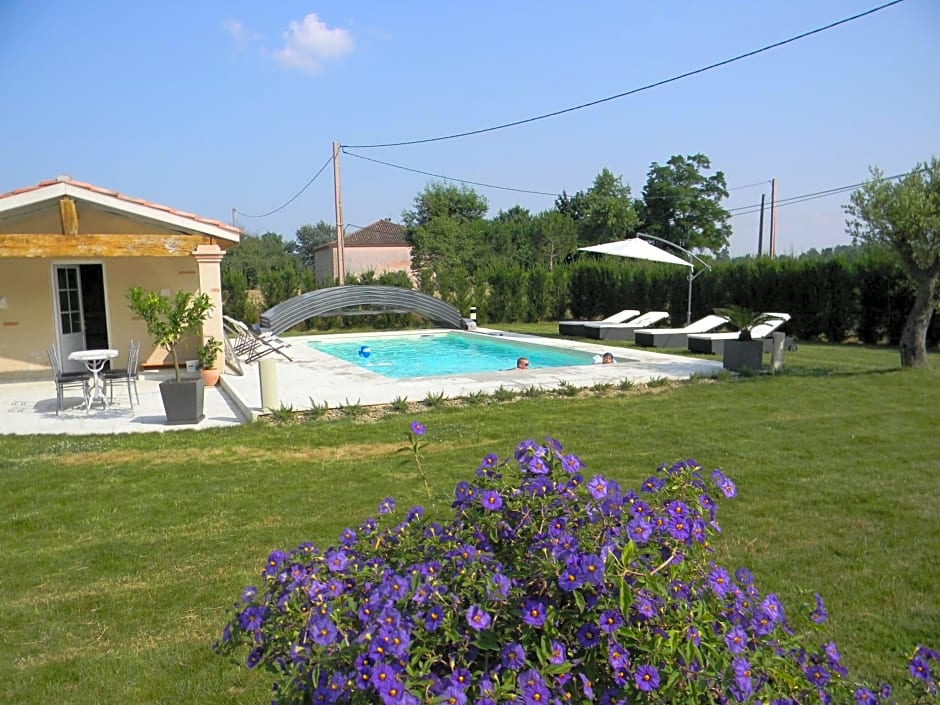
210	377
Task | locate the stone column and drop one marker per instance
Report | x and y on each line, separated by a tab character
209	259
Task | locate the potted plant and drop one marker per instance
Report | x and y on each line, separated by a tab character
207	354
743	353
169	320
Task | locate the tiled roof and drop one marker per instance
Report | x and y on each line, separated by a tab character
380	233
121	197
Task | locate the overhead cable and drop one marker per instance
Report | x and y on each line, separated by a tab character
448	178
633	91
292	198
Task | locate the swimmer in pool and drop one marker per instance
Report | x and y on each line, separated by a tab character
522	363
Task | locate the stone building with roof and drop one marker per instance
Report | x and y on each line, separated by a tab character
380	247
69	252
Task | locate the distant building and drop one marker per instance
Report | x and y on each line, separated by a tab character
380	247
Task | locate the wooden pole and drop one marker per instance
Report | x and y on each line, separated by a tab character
760	228
340	250
773	218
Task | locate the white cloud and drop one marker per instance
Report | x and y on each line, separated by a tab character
239	33
308	43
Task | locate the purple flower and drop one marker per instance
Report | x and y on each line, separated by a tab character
719	580
610	621
513	656
646	678
592	568
533	612
742	679
559	653
863	696
254	657
570	578
478	618
417	428
817	675
736	640
652	484
386	506
597	486
617	655
491	500
919	668
336	560
433	618
589	635
723	483
819	615
571	463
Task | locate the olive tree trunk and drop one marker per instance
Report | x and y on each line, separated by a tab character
913	346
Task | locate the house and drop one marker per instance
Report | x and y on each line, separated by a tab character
380	247
69	252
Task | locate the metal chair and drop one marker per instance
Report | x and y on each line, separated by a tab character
65	380
130	374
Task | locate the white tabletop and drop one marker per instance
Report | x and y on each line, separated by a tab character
102	354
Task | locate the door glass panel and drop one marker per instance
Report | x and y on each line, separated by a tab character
66	328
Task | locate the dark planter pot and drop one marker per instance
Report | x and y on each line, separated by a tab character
744	355
182	401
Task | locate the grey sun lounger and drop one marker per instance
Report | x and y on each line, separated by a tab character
676	337
714	343
623	331
576	328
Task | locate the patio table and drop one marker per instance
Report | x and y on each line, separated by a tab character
94	361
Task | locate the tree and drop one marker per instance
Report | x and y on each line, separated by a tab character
682	205
607	211
443	229
554	237
904	216
310	237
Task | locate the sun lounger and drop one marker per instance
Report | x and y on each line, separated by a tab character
576	328
252	345
676	337
623	331
714	343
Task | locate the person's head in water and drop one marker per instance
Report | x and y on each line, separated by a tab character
522	363
608	359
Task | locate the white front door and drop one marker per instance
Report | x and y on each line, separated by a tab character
70	323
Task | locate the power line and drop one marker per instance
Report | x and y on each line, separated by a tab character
448	178
793	200
292	198
756	183
633	91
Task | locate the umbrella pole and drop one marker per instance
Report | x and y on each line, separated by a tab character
688	315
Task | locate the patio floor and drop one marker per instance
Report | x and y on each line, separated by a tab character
314	377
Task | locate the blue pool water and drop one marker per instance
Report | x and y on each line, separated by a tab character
436	354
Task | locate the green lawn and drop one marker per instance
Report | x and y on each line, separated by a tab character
122	554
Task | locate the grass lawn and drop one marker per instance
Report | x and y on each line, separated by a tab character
122	554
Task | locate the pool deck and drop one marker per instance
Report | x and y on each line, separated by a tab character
315	377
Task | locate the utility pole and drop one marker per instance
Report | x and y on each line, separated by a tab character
340	251
233	217
760	228
773	218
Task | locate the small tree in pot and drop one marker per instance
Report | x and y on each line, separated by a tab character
745	352
207	354
169	320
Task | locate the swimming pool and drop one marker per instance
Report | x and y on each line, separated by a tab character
446	353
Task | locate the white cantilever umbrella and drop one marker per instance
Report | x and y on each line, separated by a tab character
637	248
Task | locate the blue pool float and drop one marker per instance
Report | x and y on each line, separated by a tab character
364	351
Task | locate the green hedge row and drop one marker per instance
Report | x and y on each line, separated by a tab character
867	298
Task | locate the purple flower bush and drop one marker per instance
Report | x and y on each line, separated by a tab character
548	586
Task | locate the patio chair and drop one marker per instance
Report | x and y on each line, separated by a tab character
714	343
65	380
623	331
252	345
576	328
129	374
676	337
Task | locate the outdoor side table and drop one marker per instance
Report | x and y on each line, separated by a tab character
94	362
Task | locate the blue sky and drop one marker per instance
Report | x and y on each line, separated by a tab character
209	106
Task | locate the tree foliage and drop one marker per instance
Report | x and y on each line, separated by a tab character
683	205
309	238
605	212
904	216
